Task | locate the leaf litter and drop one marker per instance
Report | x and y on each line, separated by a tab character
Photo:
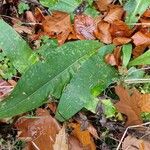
117	24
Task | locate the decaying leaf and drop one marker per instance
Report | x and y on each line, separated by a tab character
110	59
121	40
117	55
84	27
83	136
103	32
40	131
61	142
141	39
120	29
6	88
132	104
74	143
138	50
103	4
145	103
115	13
132	143
128	105
58	26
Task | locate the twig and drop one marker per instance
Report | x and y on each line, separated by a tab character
25	23
124	134
139	24
130	81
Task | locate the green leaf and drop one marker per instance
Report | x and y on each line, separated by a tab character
22	7
127	51
109	108
48	3
66	5
93	77
47	77
15	48
91	11
134	10
144	59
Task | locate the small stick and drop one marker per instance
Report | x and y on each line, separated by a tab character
124	134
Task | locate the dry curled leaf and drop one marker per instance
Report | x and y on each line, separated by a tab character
110	59
58	26
115	13
140	38
84	27
74	143
103	4
120	29
39	131
61	142
128	105
121	40
132	143
103	33
144	103
6	88
83	136
138	50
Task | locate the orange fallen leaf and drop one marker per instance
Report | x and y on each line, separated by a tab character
58	26
84	27
138	50
144	103
103	4
61	142
140	39
40	131
83	136
115	13
121	40
147	13
132	143
117	55
103	33
128	105
120	29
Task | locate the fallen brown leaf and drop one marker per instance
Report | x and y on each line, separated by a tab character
40	132
132	143
115	13
121	40
84	27
23	29
138	50
58	26
140	39
144	103
110	59
103	4
103	33
117	55
30	17
128	105
74	143
147	13
120	29
83	136
6	88
61	142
